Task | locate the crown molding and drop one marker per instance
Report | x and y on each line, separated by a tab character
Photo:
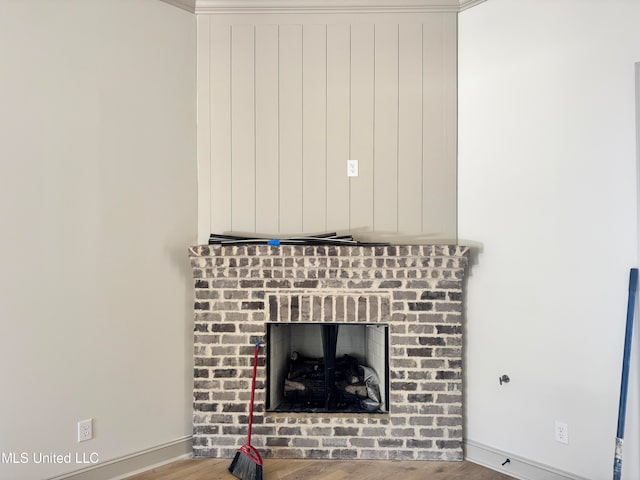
322	6
465	4
331	6
188	5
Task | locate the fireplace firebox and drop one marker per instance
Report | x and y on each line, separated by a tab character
327	367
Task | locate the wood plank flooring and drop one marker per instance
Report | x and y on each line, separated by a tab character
285	469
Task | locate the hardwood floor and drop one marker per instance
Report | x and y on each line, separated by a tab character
284	469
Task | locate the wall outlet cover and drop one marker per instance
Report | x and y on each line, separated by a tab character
561	432
85	430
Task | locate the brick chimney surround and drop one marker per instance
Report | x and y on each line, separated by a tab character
417	290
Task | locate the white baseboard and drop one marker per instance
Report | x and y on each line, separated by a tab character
123	467
135	463
518	467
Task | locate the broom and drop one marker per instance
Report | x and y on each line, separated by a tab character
247	464
622	407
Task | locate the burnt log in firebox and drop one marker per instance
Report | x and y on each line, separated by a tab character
351	386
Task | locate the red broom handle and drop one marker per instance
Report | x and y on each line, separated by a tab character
253	391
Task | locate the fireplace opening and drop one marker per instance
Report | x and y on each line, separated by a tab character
327	367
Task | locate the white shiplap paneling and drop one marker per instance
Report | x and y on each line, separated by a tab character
284	105
290	128
243	129
361	126
219	64
338	115
410	141
267	158
385	155
314	131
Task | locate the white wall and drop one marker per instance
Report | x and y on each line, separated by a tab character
97	208
547	193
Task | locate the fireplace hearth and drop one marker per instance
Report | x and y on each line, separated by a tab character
411	293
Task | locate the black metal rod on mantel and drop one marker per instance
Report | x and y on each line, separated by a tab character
331	238
329	343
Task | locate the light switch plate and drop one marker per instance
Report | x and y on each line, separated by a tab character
352	168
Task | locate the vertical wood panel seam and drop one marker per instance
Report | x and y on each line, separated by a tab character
422	184
373	147
326	181
231	126
302	126
350	88
255	137
444	88
398	131
455	130
211	210
326	135
278	132
373	126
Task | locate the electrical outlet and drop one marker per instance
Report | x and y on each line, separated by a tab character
352	168
562	432
85	430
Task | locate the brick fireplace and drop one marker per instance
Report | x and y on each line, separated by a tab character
414	290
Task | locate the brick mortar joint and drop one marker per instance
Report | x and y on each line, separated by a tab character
391	251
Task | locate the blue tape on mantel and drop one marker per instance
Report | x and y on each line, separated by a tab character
274	243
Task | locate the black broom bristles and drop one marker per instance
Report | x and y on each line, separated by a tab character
245	468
